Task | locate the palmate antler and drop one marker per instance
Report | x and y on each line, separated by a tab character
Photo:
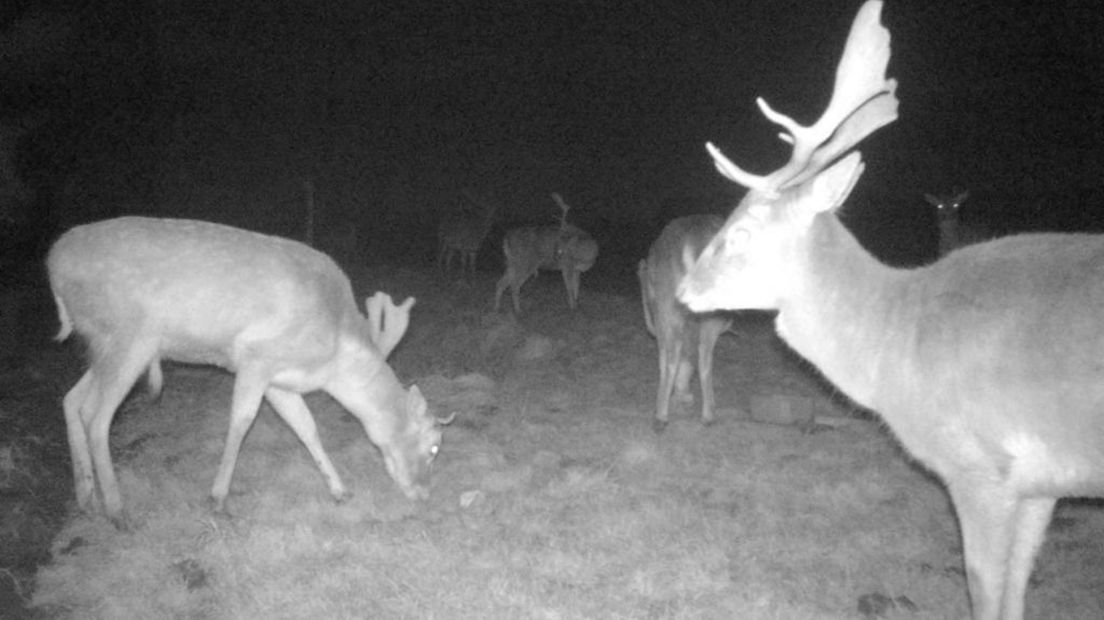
863	100
387	321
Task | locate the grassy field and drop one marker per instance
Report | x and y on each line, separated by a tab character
552	497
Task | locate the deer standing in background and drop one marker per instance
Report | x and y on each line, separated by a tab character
566	248
278	314
679	332
987	365
463	235
953	234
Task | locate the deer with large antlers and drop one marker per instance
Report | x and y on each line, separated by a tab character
275	312
527	250
986	364
678	332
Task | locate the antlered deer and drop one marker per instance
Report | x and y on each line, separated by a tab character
277	313
566	248
679	332
986	364
953	234
463	235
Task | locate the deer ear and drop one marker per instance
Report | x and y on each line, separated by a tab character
932	200
415	402
832	187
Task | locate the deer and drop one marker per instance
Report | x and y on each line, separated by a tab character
527	250
985	364
677	331
464	236
953	234
278	314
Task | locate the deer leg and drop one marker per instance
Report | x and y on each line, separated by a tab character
155	380
516	280
708	332
499	288
571	283
294	411
75	405
116	372
670	354
986	514
1032	519
683	373
249	388
645	295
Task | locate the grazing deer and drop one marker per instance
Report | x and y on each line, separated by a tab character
953	234
463	236
527	250
678	331
987	365
278	314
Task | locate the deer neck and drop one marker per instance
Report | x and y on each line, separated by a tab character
367	386
839	315
948	234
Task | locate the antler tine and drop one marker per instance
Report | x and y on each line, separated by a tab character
564	207
875	113
734	173
862	101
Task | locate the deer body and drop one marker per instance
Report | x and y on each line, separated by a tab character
279	315
986	364
566	248
680	333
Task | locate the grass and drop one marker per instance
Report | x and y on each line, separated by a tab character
552	497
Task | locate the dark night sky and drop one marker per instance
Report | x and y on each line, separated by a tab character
608	103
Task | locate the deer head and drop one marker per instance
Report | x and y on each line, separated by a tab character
863	100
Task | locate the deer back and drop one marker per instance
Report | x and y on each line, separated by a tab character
206	293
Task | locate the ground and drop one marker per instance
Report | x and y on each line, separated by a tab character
552	497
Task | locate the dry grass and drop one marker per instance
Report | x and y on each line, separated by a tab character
552	498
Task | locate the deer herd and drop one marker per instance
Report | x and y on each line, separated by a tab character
985	365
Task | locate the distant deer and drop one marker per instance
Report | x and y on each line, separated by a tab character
953	234
679	332
527	250
464	235
278	314
987	365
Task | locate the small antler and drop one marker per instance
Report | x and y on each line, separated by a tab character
863	100
387	322
564	208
